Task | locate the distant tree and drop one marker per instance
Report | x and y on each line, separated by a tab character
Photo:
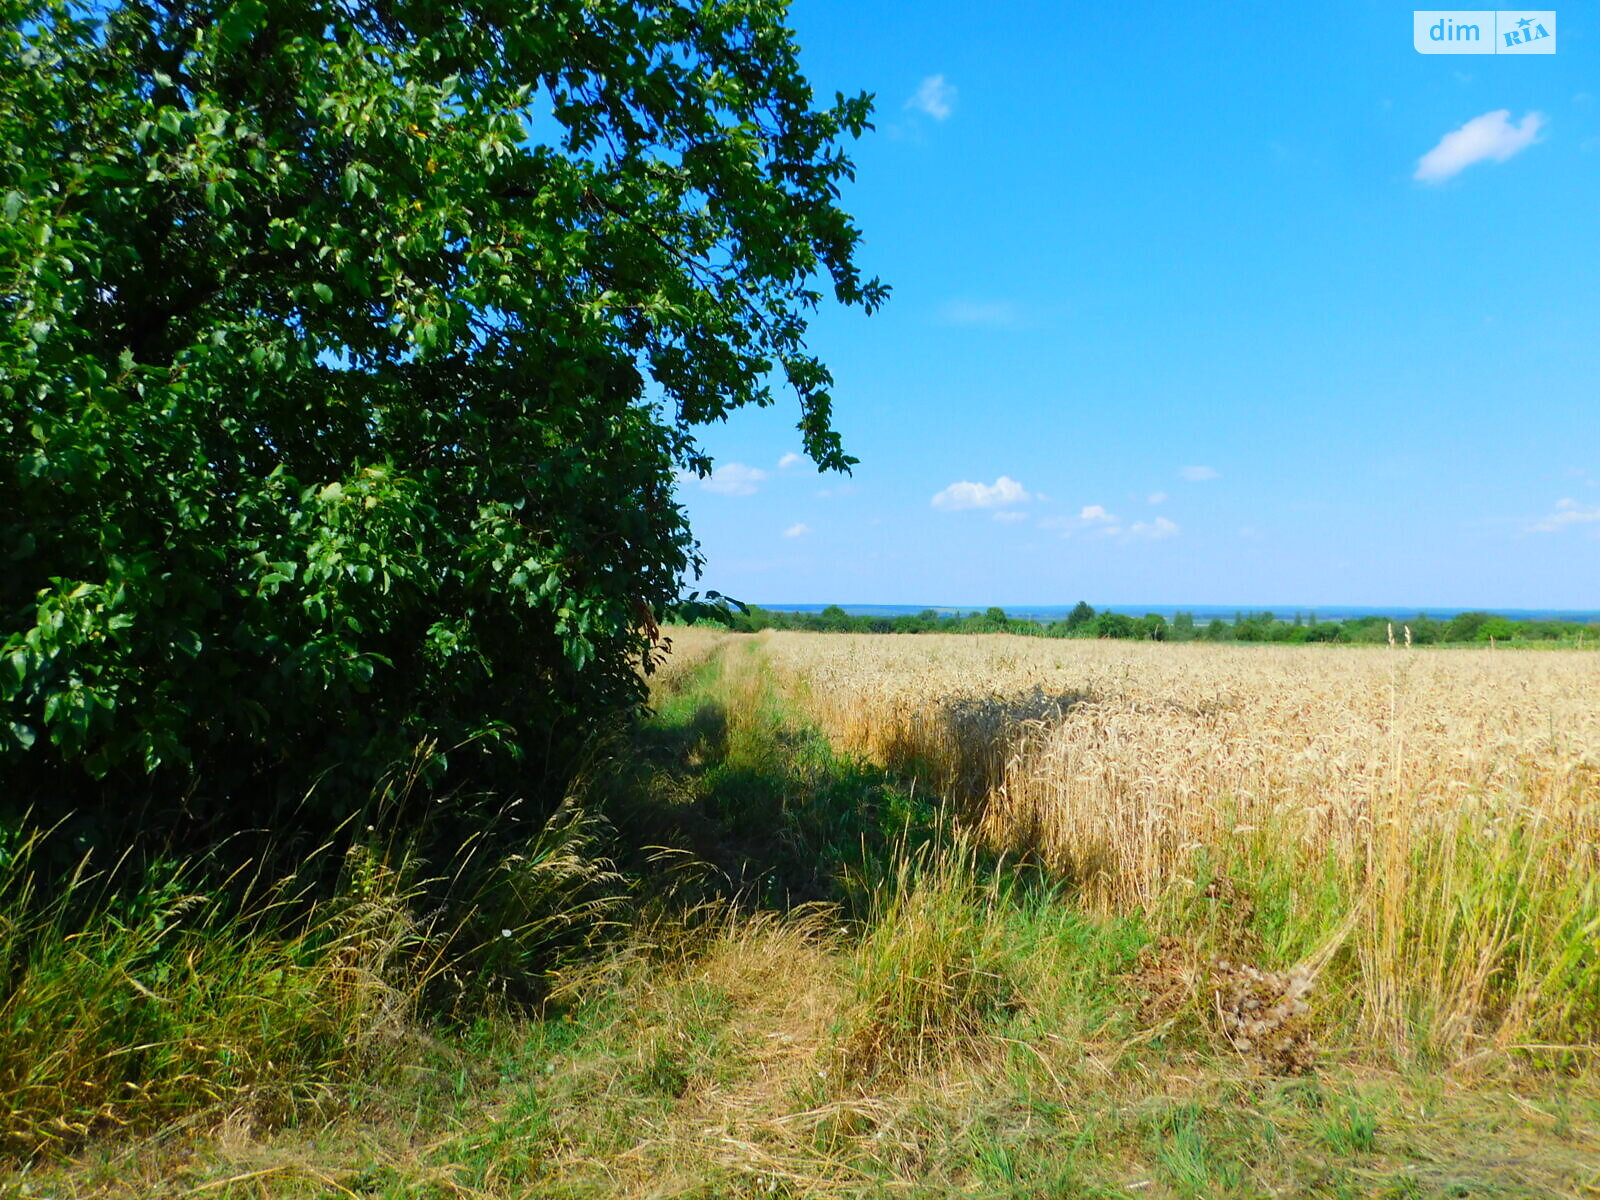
1367	631
1498	629
1254	627
834	619
1463	627
1425	631
1082	613
1114	625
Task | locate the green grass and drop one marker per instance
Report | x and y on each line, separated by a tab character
125	1014
808	983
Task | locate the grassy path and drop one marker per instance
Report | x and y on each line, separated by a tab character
822	989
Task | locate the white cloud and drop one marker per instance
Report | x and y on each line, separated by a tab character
733	479
1002	491
1489	136
1153	530
1156	498
797	529
789	460
1568	512
1199	474
1011	516
935	97
1095	521
986	314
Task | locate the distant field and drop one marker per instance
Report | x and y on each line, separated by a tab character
1205	613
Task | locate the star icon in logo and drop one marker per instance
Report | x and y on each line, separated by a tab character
1525	22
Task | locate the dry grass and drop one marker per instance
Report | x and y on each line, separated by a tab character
1440	810
1276	892
685	648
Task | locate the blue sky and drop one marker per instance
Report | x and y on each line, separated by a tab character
1194	304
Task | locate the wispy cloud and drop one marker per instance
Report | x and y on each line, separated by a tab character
1489	136
935	97
1093	520
730	479
987	314
791	459
797	529
1153	530
1156	498
1199	474
1002	492
1567	512
1010	516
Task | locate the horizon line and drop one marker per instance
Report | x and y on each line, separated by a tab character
1151	606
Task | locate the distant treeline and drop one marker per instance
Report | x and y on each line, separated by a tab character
1084	622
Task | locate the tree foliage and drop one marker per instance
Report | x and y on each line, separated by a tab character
349	356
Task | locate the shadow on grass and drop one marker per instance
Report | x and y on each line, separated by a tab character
962	744
716	806
723	794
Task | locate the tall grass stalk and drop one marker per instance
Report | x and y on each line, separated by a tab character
133	1010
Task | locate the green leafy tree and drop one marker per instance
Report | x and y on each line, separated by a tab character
834	619
1082	613
349	356
1152	626
1464	627
1497	629
1114	625
994	620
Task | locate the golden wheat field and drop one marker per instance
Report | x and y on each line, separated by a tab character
1429	819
